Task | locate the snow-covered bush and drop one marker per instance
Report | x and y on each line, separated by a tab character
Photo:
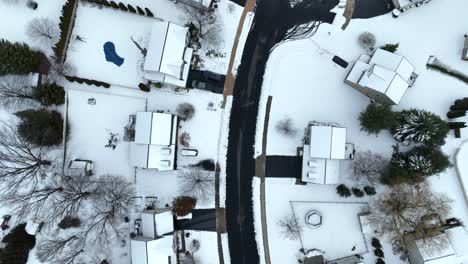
420	126
369	190
357	192
377	117
184	139
69	222
343	190
367	40
286	127
185	111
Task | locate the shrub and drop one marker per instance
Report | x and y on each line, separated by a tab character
367	40
369	190
456	113
140	11
17	58
143	87
377	117
148	12
65	26
376	243
453	125
207	164
357	192
114	5
421	160
18	243
106	3
87	81
131	8
460	104
69	222
183	205
286	127
123	7
49	94
184	139
391	47
41	127
343	190
378	253
185	111
379	261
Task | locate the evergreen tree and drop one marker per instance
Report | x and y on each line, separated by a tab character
421	127
18	244
49	94
17	58
41	127
377	117
424	160
183	205
391	47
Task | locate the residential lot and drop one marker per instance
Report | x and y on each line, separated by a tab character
306	85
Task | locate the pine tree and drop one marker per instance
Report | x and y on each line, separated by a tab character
49	94
148	12
377	117
426	160
18	244
391	47
17	58
41	127
140	11
420	126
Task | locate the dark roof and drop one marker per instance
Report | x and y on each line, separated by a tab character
314	260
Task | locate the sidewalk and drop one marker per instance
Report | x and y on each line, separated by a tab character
230	79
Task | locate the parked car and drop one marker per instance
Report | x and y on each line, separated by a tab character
189	152
213	76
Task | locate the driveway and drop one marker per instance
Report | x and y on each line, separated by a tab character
202	219
283	167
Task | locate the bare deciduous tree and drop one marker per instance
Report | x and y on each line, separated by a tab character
286	127
76	191
58	70
197	183
60	250
43	30
206	22
290	228
185	111
407	208
16	93
21	163
368	166
110	208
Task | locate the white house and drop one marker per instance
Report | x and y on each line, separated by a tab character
454	249
155	141
384	77
321	157
168	58
156	243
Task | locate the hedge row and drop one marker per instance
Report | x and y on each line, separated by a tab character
87	81
123	7
65	25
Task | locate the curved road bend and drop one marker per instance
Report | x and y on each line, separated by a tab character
272	19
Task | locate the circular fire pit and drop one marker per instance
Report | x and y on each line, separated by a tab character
313	219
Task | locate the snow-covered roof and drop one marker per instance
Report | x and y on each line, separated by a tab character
327	142
155	224
168	59
149	251
385	72
154	128
152	156
320	171
32	227
458	237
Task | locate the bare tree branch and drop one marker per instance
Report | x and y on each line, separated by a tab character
289	227
197	183
43	30
21	163
16	93
206	22
60	250
369	166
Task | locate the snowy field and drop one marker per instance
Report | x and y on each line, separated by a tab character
208	252
307	86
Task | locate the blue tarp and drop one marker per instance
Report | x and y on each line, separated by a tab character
111	55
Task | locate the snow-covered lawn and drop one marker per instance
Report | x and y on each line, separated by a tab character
208	252
98	26
91	125
306	85
462	167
